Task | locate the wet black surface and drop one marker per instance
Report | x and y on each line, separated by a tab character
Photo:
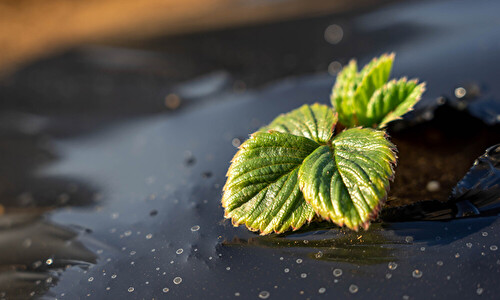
111	194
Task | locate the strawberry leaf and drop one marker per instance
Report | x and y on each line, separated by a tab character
366	99
394	100
347	182
315	122
262	189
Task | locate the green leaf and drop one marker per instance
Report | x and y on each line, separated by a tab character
315	122
352	90
348	181
262	189
373	76
366	99
343	92
394	100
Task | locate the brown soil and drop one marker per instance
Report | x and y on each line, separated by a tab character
441	150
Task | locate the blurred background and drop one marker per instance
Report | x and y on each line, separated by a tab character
118	119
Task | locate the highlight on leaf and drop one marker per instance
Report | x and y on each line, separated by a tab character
366	99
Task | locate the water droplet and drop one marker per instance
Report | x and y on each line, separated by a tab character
49	261
264	295
460	92
113	276
179	251
319	254
409	239
457	255
299	260
236	142
406	297
334	34
172	101
165	290
337	272
237	294
149	236
469	245
334	67
91	279
422	248
190	159
479	291
127	233
131	289
303	275
416	273
281	258
433	186
388	275
177	280
484	233
439	263
286	270
195	228
392	265
322	290
132	252
228	268
353	289
493	247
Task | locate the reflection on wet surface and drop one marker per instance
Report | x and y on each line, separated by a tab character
106	196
